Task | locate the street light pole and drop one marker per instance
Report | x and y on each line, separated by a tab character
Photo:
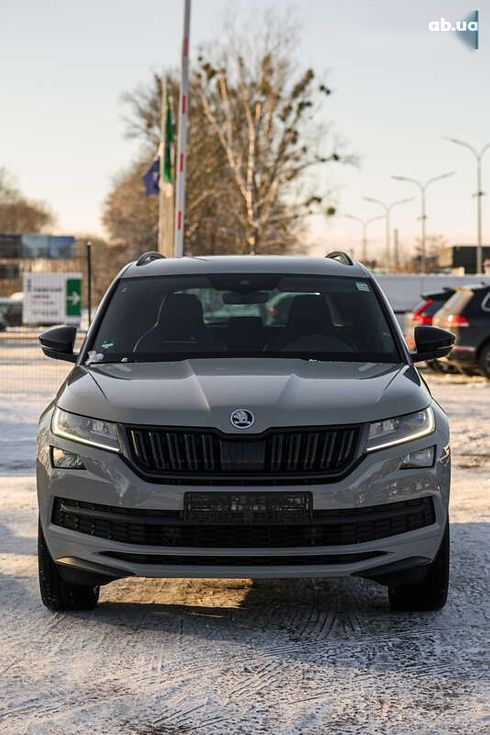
387	209
479	194
422	186
364	225
423	244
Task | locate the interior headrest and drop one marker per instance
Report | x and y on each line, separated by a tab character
308	312
181	316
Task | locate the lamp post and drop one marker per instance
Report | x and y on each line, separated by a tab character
423	216
387	209
364	222
479	193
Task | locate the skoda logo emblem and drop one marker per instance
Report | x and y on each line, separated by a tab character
242	418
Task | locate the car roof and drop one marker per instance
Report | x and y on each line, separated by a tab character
475	287
445	293
245	264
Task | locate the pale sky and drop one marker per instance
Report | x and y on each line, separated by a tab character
399	89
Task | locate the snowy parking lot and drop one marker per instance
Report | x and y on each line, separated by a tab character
215	657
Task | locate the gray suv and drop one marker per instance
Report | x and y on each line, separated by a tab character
195	438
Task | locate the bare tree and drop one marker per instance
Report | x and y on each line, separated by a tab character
258	142
17	213
434	245
265	114
131	217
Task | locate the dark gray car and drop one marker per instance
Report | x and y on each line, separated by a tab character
193	438
467	314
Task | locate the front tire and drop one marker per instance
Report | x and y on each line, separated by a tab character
431	593
57	594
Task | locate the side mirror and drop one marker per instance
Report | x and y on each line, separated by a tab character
431	343
58	343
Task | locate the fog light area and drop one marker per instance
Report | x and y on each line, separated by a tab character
418	458
62	459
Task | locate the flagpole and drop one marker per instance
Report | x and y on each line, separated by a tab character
161	152
182	138
165	193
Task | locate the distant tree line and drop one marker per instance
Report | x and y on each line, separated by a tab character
18	213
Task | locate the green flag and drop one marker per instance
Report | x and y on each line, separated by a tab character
166	172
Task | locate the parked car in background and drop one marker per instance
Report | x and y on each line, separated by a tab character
467	315
424	312
10	312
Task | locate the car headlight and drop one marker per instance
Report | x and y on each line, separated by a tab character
83	429
401	429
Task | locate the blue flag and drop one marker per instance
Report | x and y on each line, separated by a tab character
152	177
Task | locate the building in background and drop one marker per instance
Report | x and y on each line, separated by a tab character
29	253
462	258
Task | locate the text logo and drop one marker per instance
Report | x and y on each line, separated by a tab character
468	29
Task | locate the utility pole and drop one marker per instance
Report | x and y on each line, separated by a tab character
387	209
479	194
396	249
182	140
422	186
364	226
166	189
88	252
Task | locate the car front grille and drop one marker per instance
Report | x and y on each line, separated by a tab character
168	529
210	455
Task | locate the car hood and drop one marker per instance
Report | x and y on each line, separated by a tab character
279	392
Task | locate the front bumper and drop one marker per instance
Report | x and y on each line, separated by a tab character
375	481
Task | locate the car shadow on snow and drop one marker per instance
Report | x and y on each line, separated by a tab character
317	608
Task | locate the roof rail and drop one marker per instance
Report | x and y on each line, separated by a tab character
340	255
148	257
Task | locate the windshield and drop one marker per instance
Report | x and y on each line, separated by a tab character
244	315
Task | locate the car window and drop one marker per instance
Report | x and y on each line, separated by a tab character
485	304
253	315
428	307
433	308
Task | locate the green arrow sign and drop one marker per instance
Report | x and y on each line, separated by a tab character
73	297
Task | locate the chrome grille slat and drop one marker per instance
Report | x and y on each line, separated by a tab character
157	449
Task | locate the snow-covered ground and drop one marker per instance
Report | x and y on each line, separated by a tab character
238	657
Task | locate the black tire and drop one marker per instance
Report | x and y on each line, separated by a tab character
484	361
431	593
57	594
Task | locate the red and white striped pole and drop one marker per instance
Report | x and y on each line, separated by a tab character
182	139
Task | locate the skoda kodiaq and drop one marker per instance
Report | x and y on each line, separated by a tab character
196	437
